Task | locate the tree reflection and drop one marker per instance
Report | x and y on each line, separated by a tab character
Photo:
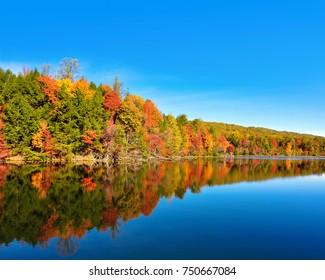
39	203
67	246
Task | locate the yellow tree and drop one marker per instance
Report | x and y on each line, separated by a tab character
82	86
288	148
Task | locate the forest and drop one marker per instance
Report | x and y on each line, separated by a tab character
60	117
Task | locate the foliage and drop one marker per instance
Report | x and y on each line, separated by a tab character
61	117
112	100
151	116
50	88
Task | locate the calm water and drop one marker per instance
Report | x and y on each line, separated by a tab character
204	209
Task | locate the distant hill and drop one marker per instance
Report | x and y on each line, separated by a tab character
268	141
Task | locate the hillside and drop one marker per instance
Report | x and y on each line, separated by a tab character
52	118
264	141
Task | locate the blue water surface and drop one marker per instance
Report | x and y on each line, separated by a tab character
282	218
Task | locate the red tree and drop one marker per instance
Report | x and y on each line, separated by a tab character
230	149
156	144
274	145
112	100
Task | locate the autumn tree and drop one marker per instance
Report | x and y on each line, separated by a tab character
150	120
66	87
183	124
156	144
223	143
43	140
112	101
113	140
50	88
137	100
275	145
288	148
230	149
129	116
83	87
151	116
193	143
207	140
171	135
203	135
89	139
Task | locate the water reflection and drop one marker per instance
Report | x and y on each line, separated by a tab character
39	203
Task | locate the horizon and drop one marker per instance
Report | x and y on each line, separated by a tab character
249	64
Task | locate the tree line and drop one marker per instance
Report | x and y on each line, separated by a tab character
47	117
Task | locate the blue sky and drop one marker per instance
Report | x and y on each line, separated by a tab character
253	63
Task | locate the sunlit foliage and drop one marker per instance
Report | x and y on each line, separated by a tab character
60	118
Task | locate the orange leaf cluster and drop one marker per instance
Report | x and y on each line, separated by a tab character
50	89
223	143
256	149
90	137
149	202
42	182
88	184
152	116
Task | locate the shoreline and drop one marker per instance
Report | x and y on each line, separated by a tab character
139	160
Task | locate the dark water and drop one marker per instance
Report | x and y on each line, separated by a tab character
203	209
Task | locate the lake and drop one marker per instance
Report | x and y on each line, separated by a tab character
246	208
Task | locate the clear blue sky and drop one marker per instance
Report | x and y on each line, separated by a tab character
253	63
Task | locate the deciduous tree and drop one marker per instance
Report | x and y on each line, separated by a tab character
68	68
